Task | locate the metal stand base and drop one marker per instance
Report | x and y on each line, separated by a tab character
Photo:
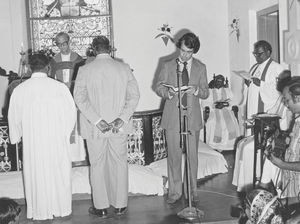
191	213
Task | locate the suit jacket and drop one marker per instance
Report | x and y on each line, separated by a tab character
105	89
57	67
197	77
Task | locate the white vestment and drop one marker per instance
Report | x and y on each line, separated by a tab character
222	127
43	113
272	103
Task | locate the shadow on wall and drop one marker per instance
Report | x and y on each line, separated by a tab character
169	57
238	90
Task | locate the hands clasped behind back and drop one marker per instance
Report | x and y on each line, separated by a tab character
113	126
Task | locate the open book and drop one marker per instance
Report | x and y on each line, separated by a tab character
175	89
243	74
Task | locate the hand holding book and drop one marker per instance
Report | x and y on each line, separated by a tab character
176	89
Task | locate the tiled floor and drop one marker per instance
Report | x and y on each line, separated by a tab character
216	193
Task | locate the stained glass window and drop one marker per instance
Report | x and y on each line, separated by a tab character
81	19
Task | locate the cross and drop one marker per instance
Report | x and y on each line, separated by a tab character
292	37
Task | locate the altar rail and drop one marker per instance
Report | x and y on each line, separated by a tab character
145	145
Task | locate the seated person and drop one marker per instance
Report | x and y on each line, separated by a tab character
261	206
222	127
289	166
9	211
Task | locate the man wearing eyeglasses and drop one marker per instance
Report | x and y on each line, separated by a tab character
191	73
262	96
65	64
262	93
64	67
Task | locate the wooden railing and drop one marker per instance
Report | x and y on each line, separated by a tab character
145	145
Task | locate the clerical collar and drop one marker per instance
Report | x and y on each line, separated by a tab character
38	75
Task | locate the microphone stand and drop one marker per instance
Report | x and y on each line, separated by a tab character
189	213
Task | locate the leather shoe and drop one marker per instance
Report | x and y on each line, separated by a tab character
171	200
121	211
102	213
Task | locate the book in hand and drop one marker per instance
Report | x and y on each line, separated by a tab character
244	74
176	89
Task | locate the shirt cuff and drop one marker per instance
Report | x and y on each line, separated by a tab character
196	92
169	96
98	121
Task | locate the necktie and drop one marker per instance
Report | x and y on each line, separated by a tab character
185	82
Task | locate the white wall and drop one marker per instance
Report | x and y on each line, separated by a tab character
240	52
136	24
13	27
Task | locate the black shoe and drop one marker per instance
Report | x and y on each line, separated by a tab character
121	211
102	213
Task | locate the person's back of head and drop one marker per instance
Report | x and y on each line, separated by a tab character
101	45
38	62
9	211
283	79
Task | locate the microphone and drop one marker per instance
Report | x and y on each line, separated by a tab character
177	61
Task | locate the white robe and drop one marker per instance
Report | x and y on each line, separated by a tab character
271	99
221	119
43	113
267	89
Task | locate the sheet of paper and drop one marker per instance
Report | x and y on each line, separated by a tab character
243	74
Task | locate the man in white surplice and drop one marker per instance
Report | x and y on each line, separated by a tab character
262	96
42	112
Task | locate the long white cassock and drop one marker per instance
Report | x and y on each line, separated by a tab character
271	101
43	113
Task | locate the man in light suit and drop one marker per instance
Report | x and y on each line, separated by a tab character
107	94
196	79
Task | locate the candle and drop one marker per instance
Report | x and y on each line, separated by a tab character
22	47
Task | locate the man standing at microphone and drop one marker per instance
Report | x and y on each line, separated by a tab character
192	73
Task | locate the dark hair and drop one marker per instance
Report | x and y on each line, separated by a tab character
101	44
263	44
283	79
190	40
38	61
9	210
293	85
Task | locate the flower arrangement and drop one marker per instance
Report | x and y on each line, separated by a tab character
165	34
45	51
235	28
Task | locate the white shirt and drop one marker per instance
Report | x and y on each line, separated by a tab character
66	72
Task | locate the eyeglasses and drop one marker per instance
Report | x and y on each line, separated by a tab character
63	44
257	54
